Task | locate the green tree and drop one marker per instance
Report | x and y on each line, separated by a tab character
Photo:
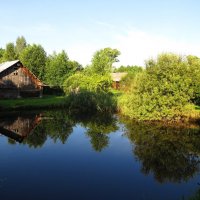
20	45
126	81
92	83
34	57
58	68
2	51
103	60
129	69
162	92
194	65
9	53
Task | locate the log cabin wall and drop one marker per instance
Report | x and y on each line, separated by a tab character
16	82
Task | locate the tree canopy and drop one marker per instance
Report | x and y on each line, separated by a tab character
57	68
9	53
102	61
34	57
20	45
163	91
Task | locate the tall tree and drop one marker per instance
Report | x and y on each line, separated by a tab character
103	60
9	53
34	57
57	68
2	51
20	45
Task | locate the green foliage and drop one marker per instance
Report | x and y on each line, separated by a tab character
129	69
2	51
58	68
126	82
34	57
89	94
20	45
32	103
90	102
162	92
103	60
194	64
9	53
82	82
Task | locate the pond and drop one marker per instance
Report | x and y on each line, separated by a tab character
54	155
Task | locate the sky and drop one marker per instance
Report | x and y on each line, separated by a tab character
139	29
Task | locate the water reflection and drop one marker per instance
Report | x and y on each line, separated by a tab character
17	126
36	128
170	154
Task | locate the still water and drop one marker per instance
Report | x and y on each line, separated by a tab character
51	155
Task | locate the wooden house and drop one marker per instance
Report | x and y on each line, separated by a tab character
116	78
18	81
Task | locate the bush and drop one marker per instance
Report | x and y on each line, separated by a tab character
89	94
162	92
82	82
90	102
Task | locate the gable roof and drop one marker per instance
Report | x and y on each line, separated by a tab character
6	65
118	76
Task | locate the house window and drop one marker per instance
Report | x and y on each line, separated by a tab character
15	73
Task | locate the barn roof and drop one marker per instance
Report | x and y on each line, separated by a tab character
6	65
118	76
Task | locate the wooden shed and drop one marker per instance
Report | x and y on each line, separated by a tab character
18	81
116	78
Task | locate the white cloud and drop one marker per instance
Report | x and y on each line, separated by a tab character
137	46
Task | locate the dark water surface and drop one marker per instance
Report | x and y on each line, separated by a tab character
51	155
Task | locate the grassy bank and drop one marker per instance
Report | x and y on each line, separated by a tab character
32	103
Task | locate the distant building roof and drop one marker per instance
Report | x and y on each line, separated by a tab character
6	65
118	76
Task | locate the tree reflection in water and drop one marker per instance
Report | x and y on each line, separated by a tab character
58	125
169	153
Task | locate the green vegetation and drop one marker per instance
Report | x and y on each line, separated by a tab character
126	81
168	89
9	53
164	91
88	91
34	57
102	61
58	68
20	45
32	103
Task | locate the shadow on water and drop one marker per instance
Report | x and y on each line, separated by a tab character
170	153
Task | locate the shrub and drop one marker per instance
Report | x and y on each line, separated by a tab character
162	92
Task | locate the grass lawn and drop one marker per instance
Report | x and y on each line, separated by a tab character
31	103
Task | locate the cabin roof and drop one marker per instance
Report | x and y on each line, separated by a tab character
118	76
6	65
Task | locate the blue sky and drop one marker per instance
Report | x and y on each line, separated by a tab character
139	29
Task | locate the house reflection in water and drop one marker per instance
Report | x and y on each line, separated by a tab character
18	127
